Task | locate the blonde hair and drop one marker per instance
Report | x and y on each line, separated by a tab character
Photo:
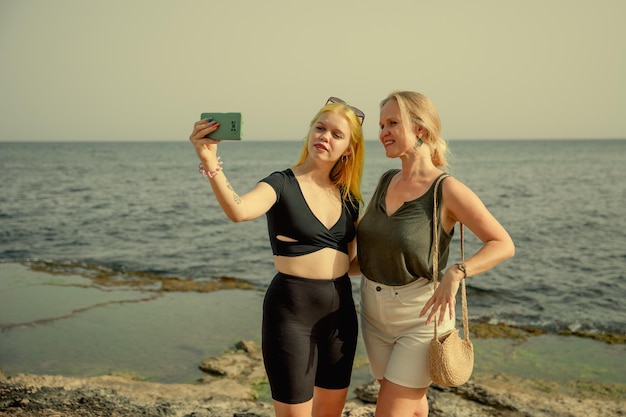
348	170
418	110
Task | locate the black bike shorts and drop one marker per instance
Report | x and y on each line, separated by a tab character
310	333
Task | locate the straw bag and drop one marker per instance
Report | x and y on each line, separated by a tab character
451	359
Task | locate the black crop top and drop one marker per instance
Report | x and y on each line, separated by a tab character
291	217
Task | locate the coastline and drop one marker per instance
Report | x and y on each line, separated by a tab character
231	388
114	344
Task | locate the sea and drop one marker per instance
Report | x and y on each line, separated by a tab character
141	209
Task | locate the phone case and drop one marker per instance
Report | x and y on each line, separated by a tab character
230	125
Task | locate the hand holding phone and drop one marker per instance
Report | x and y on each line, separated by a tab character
229	125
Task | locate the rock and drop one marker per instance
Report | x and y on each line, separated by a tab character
250	348
353	409
231	365
232	389
368	392
235	372
229	392
244	364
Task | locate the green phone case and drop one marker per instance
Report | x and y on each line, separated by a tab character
230	125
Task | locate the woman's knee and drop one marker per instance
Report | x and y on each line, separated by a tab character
398	401
329	402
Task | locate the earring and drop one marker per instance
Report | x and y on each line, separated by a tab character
418	143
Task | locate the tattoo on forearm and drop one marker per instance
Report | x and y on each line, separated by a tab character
235	196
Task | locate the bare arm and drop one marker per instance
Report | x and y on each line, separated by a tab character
354	260
238	208
354	269
460	204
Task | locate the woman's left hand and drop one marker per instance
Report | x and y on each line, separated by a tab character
444	298
206	149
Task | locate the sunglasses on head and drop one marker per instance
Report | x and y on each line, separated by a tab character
359	114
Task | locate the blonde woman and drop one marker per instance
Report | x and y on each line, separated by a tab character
309	318
398	303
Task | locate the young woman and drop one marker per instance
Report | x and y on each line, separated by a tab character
309	318
398	304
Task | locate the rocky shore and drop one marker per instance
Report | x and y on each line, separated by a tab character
235	382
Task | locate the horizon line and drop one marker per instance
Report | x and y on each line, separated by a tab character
286	140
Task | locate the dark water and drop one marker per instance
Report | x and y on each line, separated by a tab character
142	207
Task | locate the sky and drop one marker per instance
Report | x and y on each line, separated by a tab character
144	70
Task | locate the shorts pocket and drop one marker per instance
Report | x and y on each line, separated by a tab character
414	294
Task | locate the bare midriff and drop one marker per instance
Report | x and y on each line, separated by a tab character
325	263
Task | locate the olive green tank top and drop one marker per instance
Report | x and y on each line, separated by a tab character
396	250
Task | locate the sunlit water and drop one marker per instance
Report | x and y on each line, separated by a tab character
142	207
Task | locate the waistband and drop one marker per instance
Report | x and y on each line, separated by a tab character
294	277
379	286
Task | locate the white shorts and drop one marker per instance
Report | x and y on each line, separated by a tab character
396	338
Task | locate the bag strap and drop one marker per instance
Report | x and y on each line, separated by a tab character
435	251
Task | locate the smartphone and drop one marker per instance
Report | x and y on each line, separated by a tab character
230	125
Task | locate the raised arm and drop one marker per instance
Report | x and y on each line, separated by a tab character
238	208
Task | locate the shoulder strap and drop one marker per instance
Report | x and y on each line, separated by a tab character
435	251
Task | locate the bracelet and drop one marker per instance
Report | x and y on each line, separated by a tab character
461	267
210	174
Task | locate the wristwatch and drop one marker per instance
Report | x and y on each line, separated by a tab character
461	267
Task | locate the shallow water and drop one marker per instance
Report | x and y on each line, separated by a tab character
163	339
166	338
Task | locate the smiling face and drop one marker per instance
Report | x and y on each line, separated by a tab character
397	134
329	137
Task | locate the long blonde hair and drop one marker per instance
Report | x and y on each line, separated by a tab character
418	110
348	170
